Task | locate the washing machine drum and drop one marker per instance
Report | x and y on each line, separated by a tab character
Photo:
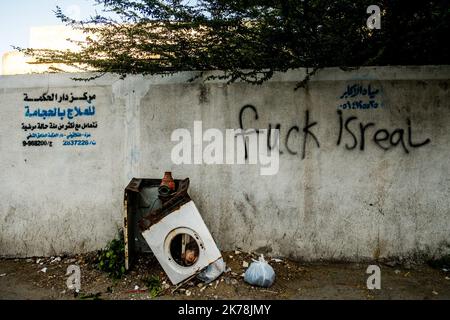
182	243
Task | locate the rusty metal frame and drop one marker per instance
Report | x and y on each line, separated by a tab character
131	191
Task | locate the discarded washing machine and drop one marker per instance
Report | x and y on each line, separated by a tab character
170	223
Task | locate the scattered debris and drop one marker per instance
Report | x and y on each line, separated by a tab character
277	260
435	293
90	296
213	271
397	271
3	274
166	286
391	263
290	283
44	270
270	291
188	293
57	259
245	264
237	252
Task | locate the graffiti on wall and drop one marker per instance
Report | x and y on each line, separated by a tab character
360	97
47	123
352	134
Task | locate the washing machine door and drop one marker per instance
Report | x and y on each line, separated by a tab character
182	243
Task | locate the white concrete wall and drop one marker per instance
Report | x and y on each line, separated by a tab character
333	204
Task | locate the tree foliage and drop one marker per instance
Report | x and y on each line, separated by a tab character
251	39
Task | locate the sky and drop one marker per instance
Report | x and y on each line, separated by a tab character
17	16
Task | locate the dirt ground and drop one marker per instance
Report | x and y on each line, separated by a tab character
26	279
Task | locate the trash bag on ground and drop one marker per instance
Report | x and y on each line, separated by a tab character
260	273
213	271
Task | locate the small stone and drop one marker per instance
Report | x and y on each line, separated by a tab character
57	259
245	264
242	275
434	292
391	263
3	274
237	252
231	257
200	285
38	260
188	293
136	287
397	271
43	270
277	260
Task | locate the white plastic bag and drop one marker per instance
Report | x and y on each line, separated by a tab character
213	271
260	273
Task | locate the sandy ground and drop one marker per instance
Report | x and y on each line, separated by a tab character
25	279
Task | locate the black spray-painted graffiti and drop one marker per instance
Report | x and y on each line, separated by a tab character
358	135
359	97
68	133
382	137
305	131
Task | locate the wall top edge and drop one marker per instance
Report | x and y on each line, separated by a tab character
425	72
